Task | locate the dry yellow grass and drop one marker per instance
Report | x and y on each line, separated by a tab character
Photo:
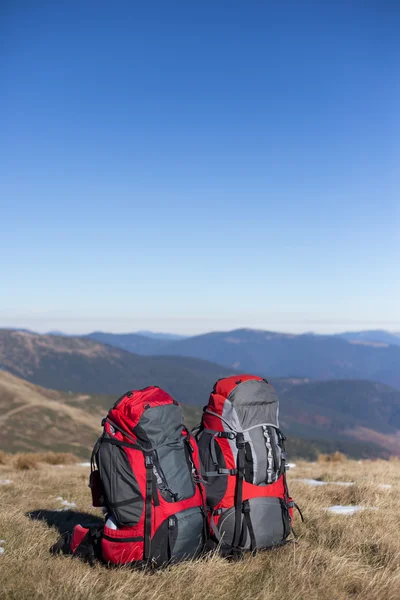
335	457
30	460
335	558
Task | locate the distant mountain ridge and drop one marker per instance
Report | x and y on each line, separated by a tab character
377	336
80	364
162	336
36	418
319	357
350	355
132	342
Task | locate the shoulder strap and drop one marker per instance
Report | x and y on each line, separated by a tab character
240	444
149	495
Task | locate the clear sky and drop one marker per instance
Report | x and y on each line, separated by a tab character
189	166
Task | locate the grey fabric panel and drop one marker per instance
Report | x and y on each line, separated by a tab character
160	424
119	484
226	526
254	402
265	468
259	451
189	541
230	422
173	460
230	418
267	520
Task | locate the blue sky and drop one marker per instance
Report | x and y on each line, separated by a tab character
192	166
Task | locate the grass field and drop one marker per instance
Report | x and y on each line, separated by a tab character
335	557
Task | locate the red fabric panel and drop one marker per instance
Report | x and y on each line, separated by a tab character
276	490
224	386
129	410
78	534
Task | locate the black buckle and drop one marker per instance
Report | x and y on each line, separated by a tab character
246	508
240	443
230	435
149	461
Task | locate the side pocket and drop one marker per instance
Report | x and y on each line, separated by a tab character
96	489
270	521
121	546
121	489
179	537
287	519
216	486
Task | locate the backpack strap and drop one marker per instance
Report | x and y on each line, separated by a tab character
199	481
149	495
241	456
247	517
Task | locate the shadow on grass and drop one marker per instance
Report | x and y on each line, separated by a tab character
65	520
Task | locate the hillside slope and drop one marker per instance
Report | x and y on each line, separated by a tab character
342	411
86	366
33	418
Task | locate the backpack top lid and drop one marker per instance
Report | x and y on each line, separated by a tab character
242	402
150	413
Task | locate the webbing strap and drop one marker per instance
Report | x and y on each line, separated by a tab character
239	488
299	511
215	530
198	480
149	494
220	472
119	443
93	455
246	512
213	451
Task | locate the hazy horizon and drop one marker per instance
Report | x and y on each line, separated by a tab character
112	328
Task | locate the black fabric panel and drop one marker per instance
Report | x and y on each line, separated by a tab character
248	468
119	485
255	402
160	543
216	486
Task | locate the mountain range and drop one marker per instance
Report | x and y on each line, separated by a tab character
34	418
360	417
275	354
83	365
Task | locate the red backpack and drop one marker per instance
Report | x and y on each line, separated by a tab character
147	478
243	459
